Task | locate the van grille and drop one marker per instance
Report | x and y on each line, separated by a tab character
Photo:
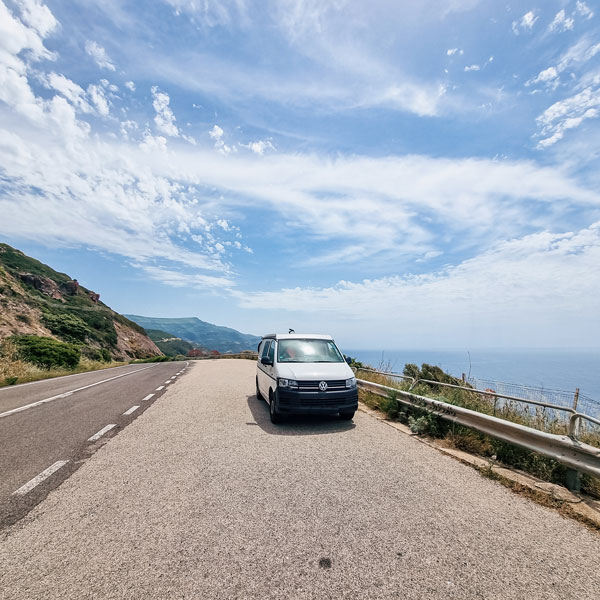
313	386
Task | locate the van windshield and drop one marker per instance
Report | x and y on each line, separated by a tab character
307	351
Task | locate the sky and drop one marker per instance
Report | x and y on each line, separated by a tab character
397	174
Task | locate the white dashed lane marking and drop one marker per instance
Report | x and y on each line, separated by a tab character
131	410
160	387
41	477
67	394
98	435
147	397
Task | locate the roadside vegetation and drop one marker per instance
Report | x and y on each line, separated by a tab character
157	359
30	358
422	422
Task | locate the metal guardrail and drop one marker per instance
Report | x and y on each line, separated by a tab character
573	421
564	449
246	355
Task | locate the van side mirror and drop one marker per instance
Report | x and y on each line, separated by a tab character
348	359
265	360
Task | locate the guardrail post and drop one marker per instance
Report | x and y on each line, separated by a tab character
576	399
573	480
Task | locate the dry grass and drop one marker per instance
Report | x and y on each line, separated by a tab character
14	371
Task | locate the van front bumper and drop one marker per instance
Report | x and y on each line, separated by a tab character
305	403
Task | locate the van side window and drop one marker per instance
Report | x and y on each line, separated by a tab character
272	352
265	350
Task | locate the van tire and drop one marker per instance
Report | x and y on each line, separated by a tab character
258	394
347	416
273	412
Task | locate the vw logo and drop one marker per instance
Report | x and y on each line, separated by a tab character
323	386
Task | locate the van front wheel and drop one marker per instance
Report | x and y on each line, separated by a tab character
275	414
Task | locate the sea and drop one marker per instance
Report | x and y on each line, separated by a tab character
558	369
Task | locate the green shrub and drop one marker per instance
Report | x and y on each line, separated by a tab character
411	370
97	354
389	405
423	422
46	352
11	380
69	327
99	323
152	359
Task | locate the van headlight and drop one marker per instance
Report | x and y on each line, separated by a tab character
351	383
292	384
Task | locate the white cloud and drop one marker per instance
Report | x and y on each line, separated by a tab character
164	118
451	51
525	23
38	16
508	295
561	22
584	10
145	202
150	143
98	53
472	68
130	85
125	127
260	146
73	92
581	52
572	111
216	133
213	13
187	280
568	114
16	39
99	100
340	64
548	76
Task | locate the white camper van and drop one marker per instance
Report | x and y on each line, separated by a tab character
304	374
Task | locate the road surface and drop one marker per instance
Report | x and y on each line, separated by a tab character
49	427
201	497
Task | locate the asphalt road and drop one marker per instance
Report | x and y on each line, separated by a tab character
203	498
48	425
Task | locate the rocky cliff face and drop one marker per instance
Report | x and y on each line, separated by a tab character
36	300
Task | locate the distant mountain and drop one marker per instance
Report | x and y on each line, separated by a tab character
168	343
207	335
37	300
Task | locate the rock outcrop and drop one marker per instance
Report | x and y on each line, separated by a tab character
42	284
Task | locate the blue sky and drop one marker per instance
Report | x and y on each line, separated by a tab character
398	174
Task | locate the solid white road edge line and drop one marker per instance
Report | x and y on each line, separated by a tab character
131	410
98	435
43	475
14	387
147	397
160	387
66	394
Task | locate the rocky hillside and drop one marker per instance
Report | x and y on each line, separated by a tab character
35	299
201	333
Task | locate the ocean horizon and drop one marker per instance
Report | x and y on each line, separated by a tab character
555	368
